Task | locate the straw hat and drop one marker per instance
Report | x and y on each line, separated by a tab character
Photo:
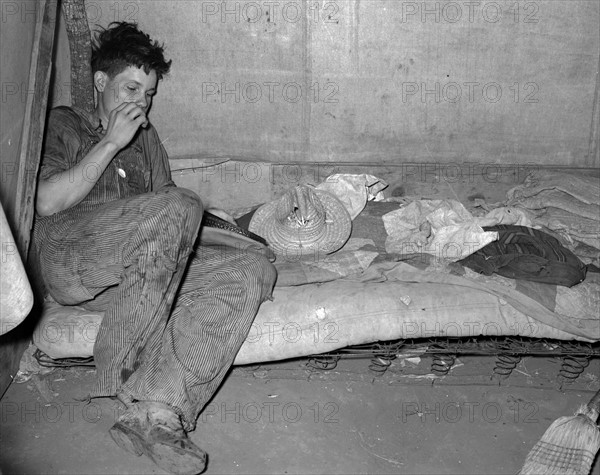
303	222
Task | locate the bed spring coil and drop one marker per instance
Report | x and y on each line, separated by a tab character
505	363
323	362
572	366
442	363
381	363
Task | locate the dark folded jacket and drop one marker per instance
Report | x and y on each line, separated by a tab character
528	254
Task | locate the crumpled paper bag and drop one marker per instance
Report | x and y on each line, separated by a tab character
443	228
354	190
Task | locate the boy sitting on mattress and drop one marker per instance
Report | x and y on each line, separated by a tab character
113	233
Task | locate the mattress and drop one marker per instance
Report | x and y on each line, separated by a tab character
362	294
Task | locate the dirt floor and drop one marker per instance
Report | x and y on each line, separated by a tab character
291	418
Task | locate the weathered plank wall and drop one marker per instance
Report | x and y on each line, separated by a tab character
27	38
18	26
375	80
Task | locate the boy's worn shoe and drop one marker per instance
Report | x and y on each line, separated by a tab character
155	430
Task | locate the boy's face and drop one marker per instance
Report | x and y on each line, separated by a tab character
130	85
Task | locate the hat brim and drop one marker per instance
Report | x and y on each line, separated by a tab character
335	233
218	232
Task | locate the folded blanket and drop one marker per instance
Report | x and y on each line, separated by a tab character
567	204
583	188
561	200
573	227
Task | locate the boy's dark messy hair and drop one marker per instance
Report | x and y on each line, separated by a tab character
122	45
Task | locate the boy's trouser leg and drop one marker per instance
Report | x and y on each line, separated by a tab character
138	249
219	298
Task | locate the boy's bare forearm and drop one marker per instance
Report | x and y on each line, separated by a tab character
70	187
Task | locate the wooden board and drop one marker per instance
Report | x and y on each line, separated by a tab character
20	208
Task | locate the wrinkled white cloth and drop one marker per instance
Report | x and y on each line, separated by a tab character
507	215
442	228
354	190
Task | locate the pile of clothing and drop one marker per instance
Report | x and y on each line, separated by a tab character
547	230
566	204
